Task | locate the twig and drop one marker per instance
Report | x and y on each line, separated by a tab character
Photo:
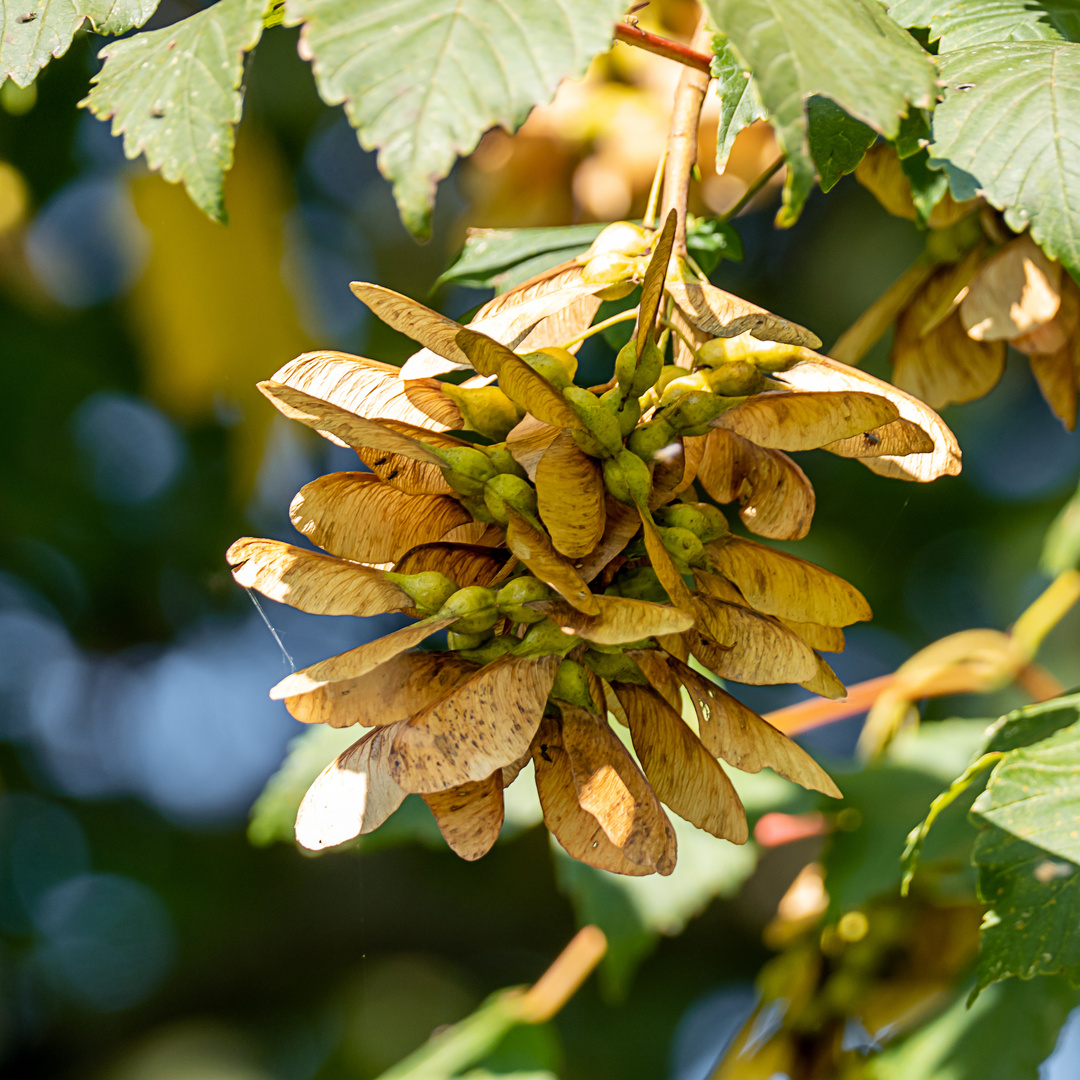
682	141
672	50
753	189
568	971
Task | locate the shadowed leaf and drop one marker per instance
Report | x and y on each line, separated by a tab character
822	638
652	286
619	620
469	816
570	495
465	564
721	314
758	649
621	524
534	549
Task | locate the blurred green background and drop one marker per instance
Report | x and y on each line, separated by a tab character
141	934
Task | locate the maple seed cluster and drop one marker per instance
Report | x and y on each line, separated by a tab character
568	549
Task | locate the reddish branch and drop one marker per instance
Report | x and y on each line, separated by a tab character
642	39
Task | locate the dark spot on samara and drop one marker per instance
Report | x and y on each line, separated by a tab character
544	754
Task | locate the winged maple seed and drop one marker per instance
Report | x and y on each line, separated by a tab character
565	549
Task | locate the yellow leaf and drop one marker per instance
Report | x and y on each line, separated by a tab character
359	661
465	564
394	691
666	570
1017	289
576	829
737	734
784	585
357	385
621	524
681	771
562	325
518	381
806	421
618	621
356	516
758	649
319	584
721	314
825	681
942	365
470	815
821	638
486	722
613	790
570	495
342	427
1056	374
900	438
652	285
777	500
949	285
821	373
406	474
881	173
534	549
655	668
353	795
529	441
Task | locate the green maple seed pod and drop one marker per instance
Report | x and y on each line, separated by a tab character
736	379
466	642
609	268
648	439
649	366
572	685
627	412
621	238
558	366
627	478
641	583
626	365
716	523
490	650
683	546
545	639
682	516
684	384
694	410
615	667
502	461
505	490
768	356
485	409
477	507
604	436
467	469
428	590
668	373
512	597
475	610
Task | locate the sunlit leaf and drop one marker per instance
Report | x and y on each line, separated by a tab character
529	441
612	789
422	81
682	772
570	495
976	22
353	795
356	516
784	585
174	93
465	564
722	314
899	438
822	638
359	661
777	500
619	620
534	549
470	815
486	722
758	649
806	421
740	104
316	583
393	691
576	829
652	285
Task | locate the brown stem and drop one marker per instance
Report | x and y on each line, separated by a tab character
672	50
569	970
682	140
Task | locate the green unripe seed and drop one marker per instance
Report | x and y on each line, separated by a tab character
477	507
465	642
609	268
558	366
502	461
606	435
627	412
641	583
683	546
715	522
545	639
485	409
572	685
505	490
651	437
620	238
736	379
490	650
695	408
428	590
474	608
684	384
627	478
467	469
649	366
514	595
615	667
626	365
682	516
